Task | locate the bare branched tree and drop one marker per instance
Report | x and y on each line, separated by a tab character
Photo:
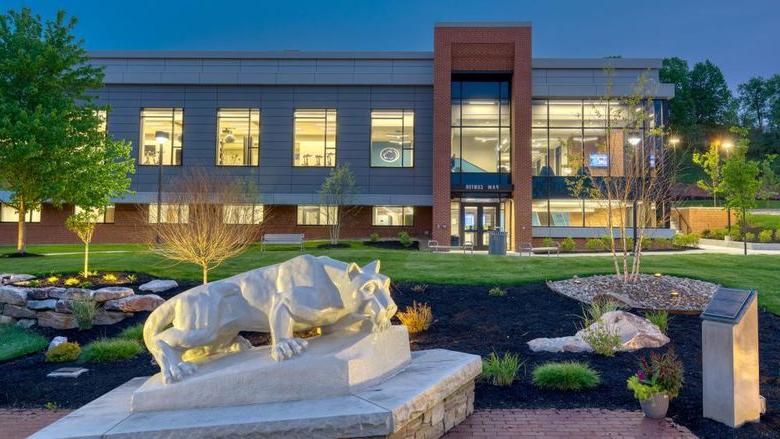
205	221
338	190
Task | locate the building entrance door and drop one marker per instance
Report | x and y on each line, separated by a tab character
477	220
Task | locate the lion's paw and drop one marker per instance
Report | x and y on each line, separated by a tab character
173	373
287	348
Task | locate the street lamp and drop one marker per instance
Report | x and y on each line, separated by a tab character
727	145
634	140
161	137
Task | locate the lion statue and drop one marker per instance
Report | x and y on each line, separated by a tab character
303	293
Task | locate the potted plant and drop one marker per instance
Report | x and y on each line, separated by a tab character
658	380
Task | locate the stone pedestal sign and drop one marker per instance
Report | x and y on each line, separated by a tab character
730	357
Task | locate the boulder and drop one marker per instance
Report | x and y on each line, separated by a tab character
135	303
13	295
56	320
158	285
6	320
38	293
56	341
104	317
15	277
112	293
635	332
571	343
18	312
25	323
71	294
41	305
63	306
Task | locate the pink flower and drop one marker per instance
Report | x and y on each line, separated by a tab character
641	375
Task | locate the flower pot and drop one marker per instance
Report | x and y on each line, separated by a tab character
656	406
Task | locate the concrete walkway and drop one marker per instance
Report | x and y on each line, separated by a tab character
495	424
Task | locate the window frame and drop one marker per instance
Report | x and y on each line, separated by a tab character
298	209
403	112
173	133
403	216
249	111
253	206
29	216
325	136
112	207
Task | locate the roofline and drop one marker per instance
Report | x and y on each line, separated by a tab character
540	63
483	24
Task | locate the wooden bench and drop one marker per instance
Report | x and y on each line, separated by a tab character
434	247
282	238
530	249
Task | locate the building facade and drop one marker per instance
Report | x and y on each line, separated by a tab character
447	145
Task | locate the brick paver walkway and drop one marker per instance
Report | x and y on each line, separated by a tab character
565	424
494	424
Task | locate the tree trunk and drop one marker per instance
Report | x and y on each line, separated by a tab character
205	268
86	259
21	246
744	231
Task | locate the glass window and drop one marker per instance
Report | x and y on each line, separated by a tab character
539	153
393	216
566	151
238	137
161	136
565	114
10	215
317	215
539	213
106	216
566	213
169	213
392	138
539	113
596	114
103	115
594	144
314	142
597	213
242	213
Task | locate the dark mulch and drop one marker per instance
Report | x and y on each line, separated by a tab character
20	255
468	319
94	280
392	245
332	246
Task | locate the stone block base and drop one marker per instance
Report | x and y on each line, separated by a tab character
430	396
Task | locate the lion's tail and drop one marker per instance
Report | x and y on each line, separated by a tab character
156	323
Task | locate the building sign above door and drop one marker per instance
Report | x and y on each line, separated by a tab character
482	187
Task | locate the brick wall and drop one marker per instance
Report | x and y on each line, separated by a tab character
699	219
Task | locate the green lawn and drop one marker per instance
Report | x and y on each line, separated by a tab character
754	271
16	341
764	221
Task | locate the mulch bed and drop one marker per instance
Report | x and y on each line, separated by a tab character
94	280
469	320
392	245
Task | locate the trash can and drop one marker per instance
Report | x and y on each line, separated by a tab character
497	242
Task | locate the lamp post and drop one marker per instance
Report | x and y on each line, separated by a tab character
727	145
634	140
161	137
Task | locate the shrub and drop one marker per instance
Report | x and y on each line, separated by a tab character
567	376
659	318
84	310
598	308
685	240
594	244
568	245
405	239
777	234
645	243
497	292
548	242
374	237
765	235
52	279
86	284
603	339
500	371
420	288
750	237
607	242
662	243
132	278
63	352
416	318
110	277
659	373
110	349
135	332
71	282
16	342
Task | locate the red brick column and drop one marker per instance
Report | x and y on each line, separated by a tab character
442	121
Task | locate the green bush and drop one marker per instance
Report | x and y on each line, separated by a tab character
374	237
603	339
607	242
660	373
777	234
750	237
135	332
16	342
86	284
662	243
645	243
500	371
568	245
594	244
84	310
497	292
566	376
765	236
686	240
110	349
63	352
405	239
659	318
598	308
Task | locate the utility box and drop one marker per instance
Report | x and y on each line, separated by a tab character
730	357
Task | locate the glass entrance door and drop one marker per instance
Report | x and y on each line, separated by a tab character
477	220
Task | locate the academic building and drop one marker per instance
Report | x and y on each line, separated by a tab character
447	145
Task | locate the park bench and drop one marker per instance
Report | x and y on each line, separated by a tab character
282	238
434	247
530	249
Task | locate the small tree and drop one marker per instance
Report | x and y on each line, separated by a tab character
209	234
741	182
711	163
339	190
83	225
769	182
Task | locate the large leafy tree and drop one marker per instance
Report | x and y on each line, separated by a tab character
754	97
52	143
681	107
713	102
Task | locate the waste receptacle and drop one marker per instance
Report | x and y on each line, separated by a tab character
497	242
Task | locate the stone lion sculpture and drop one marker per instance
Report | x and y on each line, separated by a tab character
303	293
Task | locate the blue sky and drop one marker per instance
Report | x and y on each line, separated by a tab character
742	37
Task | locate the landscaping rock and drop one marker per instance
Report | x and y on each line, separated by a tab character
635	332
38	293
41	305
63	306
18	312
620	299
135	303
15	277
72	294
13	295
56	320
112	293
109	318
158	285
561	344
6	320
56	341
25	323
